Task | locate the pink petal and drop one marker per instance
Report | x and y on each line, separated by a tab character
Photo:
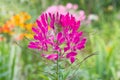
72	59
57	48
71	54
43	20
38	37
39	23
77	25
80	47
53	57
52	24
62	40
66	48
76	39
43	29
80	33
31	46
52	20
50	56
34	45
59	35
35	30
84	40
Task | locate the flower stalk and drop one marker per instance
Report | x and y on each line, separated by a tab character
59	37
58	76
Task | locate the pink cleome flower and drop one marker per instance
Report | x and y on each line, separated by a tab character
59	35
71	8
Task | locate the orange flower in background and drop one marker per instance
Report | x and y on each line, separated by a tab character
10	24
17	26
7	28
29	26
20	19
25	15
15	19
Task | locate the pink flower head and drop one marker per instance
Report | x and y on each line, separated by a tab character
75	6
69	5
82	15
71	8
57	33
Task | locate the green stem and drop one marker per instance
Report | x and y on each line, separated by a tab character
57	69
58	76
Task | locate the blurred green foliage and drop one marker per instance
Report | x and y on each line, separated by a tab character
19	63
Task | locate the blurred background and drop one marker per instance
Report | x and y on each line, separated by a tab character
100	21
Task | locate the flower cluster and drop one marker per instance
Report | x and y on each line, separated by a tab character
71	8
59	35
18	23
